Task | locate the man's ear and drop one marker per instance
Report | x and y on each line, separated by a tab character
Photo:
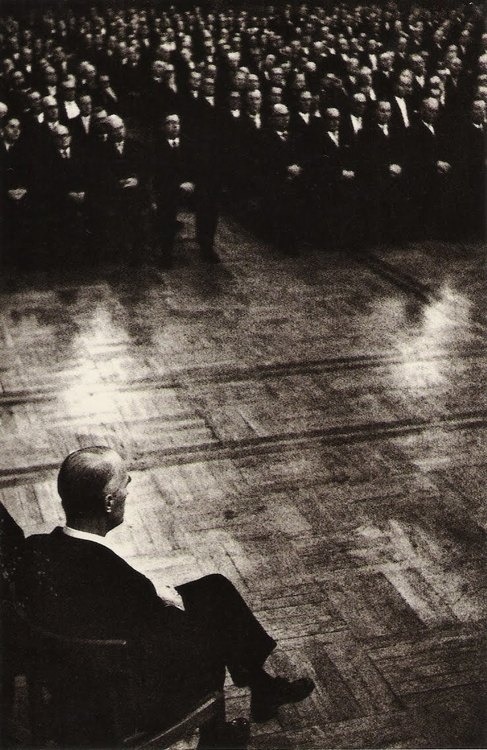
108	503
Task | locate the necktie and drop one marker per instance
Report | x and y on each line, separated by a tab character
65	154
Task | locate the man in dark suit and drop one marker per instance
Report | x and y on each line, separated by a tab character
379	169
107	97
65	198
126	179
81	127
11	545
184	173
401	106
68	106
331	178
181	638
173	181
15	193
304	126
282	176
429	169
471	173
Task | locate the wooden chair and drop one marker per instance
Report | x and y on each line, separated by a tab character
81	692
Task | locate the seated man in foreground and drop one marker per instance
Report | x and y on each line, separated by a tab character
72	583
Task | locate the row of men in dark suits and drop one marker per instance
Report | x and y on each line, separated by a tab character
78	196
348	180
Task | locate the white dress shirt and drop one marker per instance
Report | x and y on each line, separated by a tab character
167	593
404	110
356	123
257	121
334	137
429	126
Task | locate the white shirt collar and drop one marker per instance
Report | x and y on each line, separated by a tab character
86	535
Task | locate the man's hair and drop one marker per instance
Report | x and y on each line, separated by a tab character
83	478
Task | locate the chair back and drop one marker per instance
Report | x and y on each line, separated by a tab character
84	692
79	690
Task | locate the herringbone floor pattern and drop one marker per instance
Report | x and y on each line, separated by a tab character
313	428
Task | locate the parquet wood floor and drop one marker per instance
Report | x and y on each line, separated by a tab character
313	428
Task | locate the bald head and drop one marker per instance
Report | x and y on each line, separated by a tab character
91	483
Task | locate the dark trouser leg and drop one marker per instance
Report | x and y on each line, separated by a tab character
206	222
166	228
221	614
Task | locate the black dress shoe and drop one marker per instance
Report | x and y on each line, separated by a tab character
266	700
233	735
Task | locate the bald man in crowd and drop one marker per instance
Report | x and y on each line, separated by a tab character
72	582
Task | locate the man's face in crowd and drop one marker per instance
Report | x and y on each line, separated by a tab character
358	106
63	140
69	92
195	80
254	102
478	112
85	105
384	112
281	121
332	120
51	113
305	101
51	77
118	133
208	87
234	100
35	102
12	130
277	76
429	111
172	127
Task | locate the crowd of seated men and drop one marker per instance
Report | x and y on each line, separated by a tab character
348	124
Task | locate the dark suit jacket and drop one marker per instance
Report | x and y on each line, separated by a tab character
375	152
330	161
172	167
11	544
80	136
278	155
119	167
424	151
